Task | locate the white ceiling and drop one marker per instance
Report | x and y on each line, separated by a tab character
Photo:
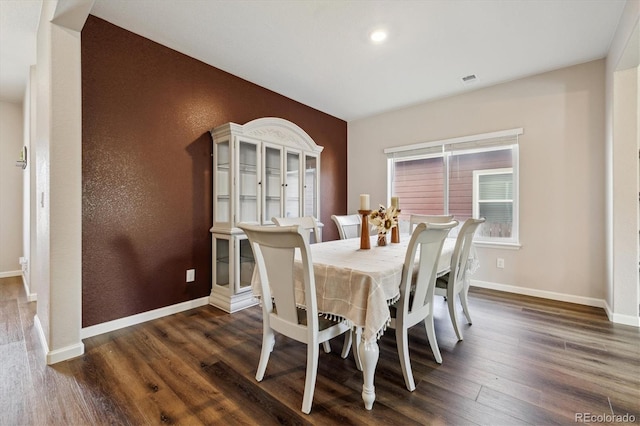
18	26
318	52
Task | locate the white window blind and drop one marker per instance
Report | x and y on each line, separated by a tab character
483	140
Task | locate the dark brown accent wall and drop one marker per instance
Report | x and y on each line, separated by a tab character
146	168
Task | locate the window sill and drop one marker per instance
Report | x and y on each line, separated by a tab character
497	245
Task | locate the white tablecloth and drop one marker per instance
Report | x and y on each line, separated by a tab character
358	285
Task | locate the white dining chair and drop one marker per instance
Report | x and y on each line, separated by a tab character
454	283
416	293
348	225
274	250
415	219
308	223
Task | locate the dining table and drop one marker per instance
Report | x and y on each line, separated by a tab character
358	286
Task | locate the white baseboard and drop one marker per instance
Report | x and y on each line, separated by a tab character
588	301
621	319
608	310
106	327
580	300
552	295
8	274
65	353
43	339
72	351
626	320
31	297
58	355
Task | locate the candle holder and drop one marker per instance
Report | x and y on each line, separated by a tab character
395	232
365	242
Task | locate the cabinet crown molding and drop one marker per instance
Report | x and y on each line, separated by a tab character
275	130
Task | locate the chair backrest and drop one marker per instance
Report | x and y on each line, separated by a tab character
274	249
348	225
415	219
308	223
460	256
429	237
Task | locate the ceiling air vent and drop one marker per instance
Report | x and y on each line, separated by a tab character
471	78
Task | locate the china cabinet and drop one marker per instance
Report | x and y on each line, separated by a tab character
266	168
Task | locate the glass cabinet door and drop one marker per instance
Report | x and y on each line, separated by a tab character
272	183
292	185
232	272
248	209
246	263
310	207
223	182
221	254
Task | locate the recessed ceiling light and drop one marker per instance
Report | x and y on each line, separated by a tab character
378	36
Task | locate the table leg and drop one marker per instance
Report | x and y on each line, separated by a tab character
369	354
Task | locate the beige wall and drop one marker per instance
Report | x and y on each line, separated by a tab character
10	188
561	173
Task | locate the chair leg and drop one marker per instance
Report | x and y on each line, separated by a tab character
268	341
431	335
356	335
464	299
327	346
346	346
310	379
454	319
403	353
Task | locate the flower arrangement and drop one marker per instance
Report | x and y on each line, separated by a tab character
384	219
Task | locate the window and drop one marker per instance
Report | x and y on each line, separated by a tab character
493	200
475	176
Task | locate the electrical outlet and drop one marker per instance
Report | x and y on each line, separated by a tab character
500	263
24	263
191	275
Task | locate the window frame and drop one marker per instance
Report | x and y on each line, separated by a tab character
506	139
513	200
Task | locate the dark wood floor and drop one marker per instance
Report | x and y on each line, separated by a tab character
524	361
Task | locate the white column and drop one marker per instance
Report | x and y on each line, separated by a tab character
622	146
625	201
58	162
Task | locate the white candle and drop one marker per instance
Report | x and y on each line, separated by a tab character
394	202
364	201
